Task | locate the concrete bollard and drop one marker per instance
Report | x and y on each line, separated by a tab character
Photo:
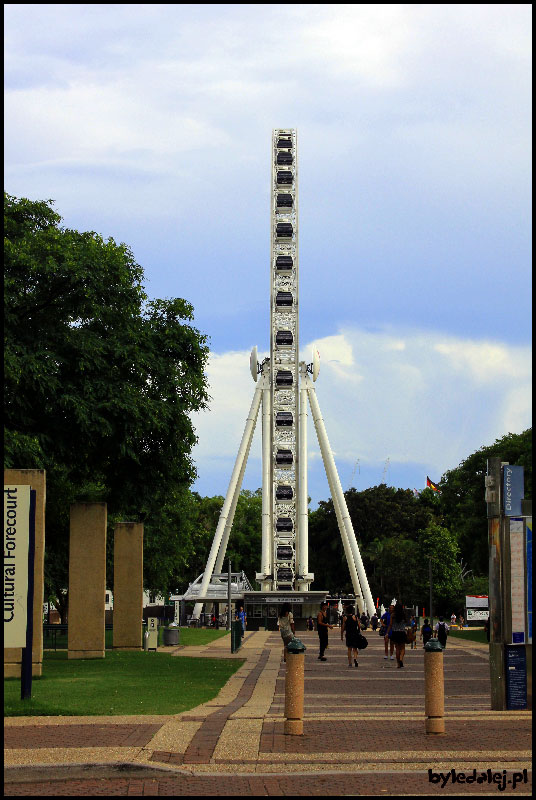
294	688
434	688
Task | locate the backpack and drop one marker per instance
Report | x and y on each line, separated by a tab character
441	633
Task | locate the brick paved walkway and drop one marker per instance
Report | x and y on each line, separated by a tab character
363	734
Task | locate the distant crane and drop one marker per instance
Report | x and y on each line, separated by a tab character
356	467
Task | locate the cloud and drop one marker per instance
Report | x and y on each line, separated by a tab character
422	397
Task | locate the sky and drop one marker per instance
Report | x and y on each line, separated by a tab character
151	124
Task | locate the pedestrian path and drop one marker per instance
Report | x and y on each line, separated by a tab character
363	733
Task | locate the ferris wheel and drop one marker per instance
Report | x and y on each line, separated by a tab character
284	387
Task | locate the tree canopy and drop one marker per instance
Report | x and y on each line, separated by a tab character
100	381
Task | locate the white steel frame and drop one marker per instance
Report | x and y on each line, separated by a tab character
289	398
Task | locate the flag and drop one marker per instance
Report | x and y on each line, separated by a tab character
432	485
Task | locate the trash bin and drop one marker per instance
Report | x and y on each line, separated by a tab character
171	636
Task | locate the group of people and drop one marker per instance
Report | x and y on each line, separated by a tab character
396	631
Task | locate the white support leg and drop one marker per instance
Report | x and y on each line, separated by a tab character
337	492
346	544
358	592
229	523
233	489
302	544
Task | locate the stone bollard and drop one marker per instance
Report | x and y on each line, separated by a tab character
434	687
294	688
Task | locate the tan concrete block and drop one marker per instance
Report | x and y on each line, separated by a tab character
434	684
294	686
128	585
36	478
87	580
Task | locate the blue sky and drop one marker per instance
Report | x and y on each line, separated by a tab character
152	124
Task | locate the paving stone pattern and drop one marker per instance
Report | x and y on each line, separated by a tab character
363	733
79	736
335	785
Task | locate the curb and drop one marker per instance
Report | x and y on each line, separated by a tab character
37	773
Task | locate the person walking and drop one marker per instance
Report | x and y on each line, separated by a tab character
287	629
351	626
426	631
441	632
322	626
374	621
397	629
386	624
413	633
310	624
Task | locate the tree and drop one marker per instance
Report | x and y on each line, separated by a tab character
100	382
438	544
462	500
387	523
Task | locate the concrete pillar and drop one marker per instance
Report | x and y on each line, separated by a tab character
87	580
36	478
128	585
294	689
434	688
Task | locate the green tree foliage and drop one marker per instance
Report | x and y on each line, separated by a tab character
244	546
100	383
462	500
387	523
438	544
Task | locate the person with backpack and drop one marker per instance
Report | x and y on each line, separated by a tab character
351	625
426	632
441	632
374	621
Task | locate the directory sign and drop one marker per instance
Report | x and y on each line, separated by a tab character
513	490
516	677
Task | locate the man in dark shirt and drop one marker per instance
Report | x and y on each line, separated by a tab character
322	626
386	619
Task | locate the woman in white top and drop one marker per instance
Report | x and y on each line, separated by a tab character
286	626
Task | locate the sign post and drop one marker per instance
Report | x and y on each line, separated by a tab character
26	666
510	576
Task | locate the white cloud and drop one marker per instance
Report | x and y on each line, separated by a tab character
433	401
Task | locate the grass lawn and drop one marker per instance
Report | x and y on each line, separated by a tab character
188	636
471	635
193	636
120	683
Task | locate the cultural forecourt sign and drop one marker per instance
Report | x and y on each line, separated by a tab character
19	552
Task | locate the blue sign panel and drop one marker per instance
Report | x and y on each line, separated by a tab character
516	677
513	490
529	579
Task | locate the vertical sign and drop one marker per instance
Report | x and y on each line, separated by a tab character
516	677
495	580
16	547
529	578
513	490
517	581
